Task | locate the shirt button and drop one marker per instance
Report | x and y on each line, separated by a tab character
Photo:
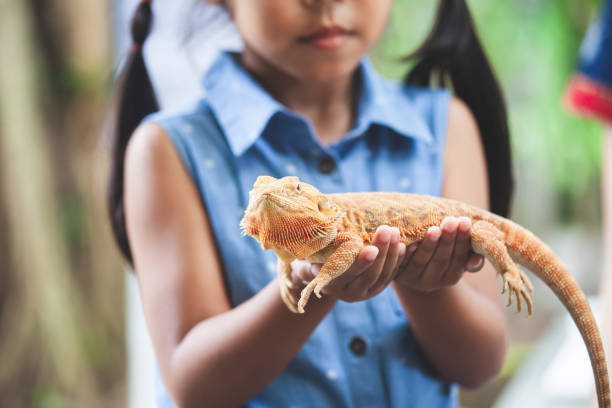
358	346
326	165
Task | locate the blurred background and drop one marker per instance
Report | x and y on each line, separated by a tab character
71	333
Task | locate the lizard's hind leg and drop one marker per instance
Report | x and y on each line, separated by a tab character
488	241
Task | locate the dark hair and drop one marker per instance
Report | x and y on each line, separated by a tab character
452	50
135	100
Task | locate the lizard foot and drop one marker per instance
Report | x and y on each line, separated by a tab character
288	298
289	283
316	285
518	284
305	295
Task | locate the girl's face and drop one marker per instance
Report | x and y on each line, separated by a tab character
317	40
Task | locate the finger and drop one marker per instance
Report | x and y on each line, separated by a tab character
300	271
310	272
425	251
402	267
437	267
463	246
474	263
392	257
390	265
401	259
382	240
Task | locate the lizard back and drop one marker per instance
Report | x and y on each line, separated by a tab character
412	214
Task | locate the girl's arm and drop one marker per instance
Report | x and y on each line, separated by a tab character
208	353
460	327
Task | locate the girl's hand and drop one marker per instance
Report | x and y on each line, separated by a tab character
371	272
441	258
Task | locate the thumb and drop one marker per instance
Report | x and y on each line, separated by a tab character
315	268
474	263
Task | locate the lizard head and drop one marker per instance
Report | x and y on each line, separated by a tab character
289	214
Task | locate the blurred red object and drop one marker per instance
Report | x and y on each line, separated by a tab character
585	97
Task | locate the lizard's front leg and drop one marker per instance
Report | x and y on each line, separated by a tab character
283	269
337	263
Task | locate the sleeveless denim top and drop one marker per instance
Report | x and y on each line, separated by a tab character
362	354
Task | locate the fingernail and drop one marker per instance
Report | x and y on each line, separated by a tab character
395	235
477	266
372	254
384	235
449	224
402	249
465	224
433	233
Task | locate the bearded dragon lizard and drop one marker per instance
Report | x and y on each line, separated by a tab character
297	221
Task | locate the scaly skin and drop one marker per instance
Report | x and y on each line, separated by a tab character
297	221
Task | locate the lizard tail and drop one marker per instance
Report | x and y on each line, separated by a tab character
527	250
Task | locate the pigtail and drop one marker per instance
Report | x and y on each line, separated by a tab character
135	100
452	50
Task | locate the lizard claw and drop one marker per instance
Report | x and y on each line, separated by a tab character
526	281
528	301
305	295
520	286
510	296
316	285
289	299
319	287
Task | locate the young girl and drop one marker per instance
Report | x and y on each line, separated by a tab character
403	325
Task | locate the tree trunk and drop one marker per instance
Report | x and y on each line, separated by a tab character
62	309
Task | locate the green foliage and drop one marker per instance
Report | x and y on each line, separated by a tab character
532	46
47	397
72	220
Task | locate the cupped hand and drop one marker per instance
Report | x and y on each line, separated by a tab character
441	258
371	272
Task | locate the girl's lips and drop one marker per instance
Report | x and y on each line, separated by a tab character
331	38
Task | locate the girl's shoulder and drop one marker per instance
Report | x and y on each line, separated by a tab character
428	104
425	100
183	118
193	131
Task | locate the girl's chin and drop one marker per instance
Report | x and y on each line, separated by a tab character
323	71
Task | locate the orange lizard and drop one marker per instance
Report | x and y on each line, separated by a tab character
297	221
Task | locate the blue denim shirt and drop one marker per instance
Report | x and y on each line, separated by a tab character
362	354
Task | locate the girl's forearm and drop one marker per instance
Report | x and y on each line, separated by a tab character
229	358
461	331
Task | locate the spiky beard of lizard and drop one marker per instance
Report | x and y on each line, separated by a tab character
300	234
290	232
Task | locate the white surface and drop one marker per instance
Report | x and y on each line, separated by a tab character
175	63
557	374
141	361
569	374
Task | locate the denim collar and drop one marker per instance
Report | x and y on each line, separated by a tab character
244	109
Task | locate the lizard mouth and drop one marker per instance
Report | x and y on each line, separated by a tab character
249	225
267	207
279	220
